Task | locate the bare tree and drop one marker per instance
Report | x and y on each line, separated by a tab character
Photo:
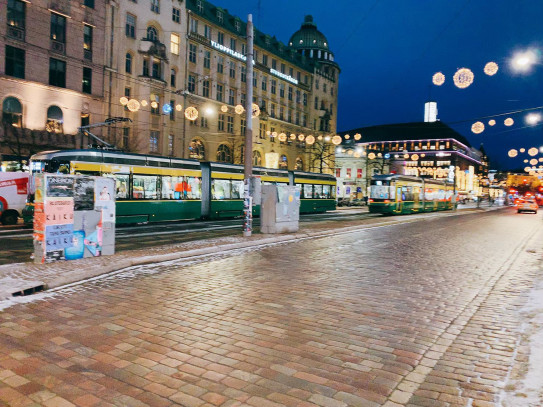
321	157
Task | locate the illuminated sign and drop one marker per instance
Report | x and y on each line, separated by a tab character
229	51
284	76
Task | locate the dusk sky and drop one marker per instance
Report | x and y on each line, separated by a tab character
388	51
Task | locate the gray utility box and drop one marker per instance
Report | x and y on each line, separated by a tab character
280	209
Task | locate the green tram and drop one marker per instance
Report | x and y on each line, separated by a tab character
156	189
403	194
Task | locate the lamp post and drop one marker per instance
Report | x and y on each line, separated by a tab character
248	162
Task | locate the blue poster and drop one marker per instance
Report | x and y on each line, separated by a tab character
77	249
58	236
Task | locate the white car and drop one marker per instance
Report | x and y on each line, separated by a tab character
527	205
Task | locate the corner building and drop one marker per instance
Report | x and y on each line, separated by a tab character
51	74
193	54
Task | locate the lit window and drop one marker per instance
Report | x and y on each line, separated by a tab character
174	44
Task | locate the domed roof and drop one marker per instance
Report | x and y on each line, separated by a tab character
308	36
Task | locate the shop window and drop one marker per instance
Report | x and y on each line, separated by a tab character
12	112
54	120
197	149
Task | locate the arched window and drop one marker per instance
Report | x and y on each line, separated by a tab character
197	149
257	158
54	120
152	34
224	154
299	164
283	162
12	112
128	63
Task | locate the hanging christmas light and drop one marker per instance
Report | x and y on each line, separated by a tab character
327	138
379	155
423	155
191	113
178	108
347	137
463	78
293	136
491	68
357	136
224	108
522	150
491	122
508	121
154	104
282	137
406	156
133	105
144	103
239	109
356	155
256	110
371	156
526	160
167	109
533	161
477	127
319	138
310	139
301	137
350	152
527	169
533	151
415	157
438	79
123	100
336	140
512	153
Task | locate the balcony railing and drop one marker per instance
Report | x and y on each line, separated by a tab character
59	47
16	33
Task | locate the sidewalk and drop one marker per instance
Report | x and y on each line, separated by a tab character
26	278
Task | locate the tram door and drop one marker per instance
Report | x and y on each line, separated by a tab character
399	199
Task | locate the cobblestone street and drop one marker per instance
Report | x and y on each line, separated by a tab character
425	313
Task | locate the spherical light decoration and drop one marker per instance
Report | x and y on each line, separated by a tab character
491	68
123	100
256	110
309	140
438	79
350	152
282	137
239	109
327	138
293	136
133	105
371	156
512	153
525	161
415	157
540	159
336	140
167	109
144	103
508	121
463	78
491	122
154	104
347	137
533	161
357	136
301	137
533	151
320	138
527	169
522	150
423	155
379	155
274	134
178	108
477	127
406	156
356	155
191	113
224	108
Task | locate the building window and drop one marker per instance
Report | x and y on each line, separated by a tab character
232	69
153	141
174	44
197	150
207	32
243	74
205	89
243	49
157	69
176	15
58	28
220	64
155	6
145	67
233	44
193	26
272	110
224	154
12	112
200	5
89	3
192	53
264	60
220	123
126	136
290	93
257	158
230	124
170	144
274	64
220	37
243	99
191	83
316	103
283	162
220	95
130	27
128	63
298	96
264	83
87	42
57	73
15	62
231	97
152	34
282	90
173	78
262	131
281	113
87	80
283	67
299	164
273	86
172	109
207	59
305	99
203	122
54	120
16	17
243	127
237	24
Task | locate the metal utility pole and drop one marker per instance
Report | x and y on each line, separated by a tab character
248	162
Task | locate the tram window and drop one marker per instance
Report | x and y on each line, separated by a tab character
318	191
237	189
121	186
220	189
407	193
326	191
168	187
379	182
144	187
308	191
194	187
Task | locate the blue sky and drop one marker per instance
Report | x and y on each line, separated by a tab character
388	51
